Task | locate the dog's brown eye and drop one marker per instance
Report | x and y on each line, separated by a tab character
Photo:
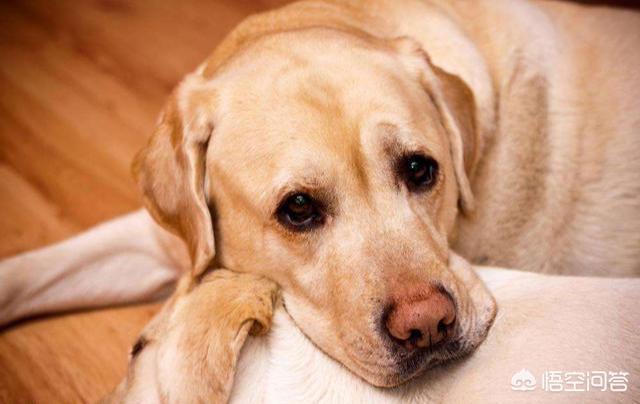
419	172
300	212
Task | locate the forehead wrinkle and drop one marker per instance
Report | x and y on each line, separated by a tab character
339	132
358	163
318	95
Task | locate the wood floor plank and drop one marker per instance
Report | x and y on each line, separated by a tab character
28	218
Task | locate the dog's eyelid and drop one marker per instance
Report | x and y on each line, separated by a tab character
419	148
397	147
318	196
300	186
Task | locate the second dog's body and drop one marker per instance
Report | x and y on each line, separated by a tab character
549	324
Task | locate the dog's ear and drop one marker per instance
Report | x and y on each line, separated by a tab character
170	170
456	105
189	351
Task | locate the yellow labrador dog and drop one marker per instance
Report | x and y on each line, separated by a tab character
341	149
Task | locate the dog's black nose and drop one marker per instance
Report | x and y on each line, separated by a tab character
421	316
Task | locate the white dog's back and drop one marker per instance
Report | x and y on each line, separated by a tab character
568	327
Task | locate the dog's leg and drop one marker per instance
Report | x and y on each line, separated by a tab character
128	259
189	351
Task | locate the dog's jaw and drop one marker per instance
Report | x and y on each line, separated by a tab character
468	334
462	344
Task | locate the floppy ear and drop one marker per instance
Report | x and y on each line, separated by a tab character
170	170
189	351
456	105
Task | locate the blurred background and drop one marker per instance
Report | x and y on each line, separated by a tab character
81	84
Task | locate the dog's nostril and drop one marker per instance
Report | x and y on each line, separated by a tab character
442	327
414	337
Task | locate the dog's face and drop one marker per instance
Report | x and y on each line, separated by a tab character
332	168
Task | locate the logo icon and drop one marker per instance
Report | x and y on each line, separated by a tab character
523	381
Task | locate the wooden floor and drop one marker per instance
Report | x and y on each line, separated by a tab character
81	83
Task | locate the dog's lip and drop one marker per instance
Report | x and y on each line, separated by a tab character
450	347
412	364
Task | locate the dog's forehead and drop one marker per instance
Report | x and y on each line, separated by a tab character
311	107
318	69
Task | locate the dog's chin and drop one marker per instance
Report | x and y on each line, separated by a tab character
412	364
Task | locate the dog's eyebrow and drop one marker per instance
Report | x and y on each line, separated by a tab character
312	188
396	142
312	181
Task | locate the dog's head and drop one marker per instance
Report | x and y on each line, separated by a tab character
335	164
